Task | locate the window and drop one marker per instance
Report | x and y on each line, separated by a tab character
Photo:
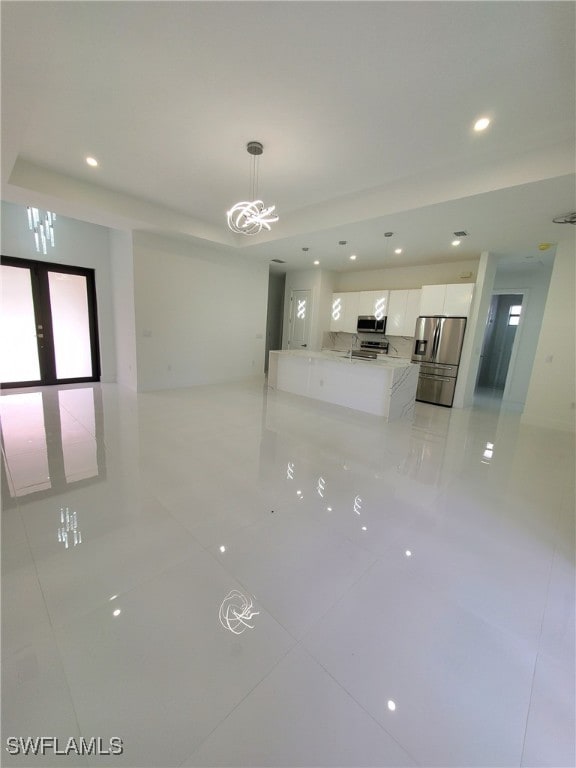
514	314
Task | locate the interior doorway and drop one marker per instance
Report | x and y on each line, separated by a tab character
48	324
500	343
275	314
300	314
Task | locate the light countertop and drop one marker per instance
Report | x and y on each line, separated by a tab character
383	361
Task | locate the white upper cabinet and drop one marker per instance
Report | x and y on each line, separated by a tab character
400	307
344	312
452	300
373	303
432	299
403	310
412	311
458	299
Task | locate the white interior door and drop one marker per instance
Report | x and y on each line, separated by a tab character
300	312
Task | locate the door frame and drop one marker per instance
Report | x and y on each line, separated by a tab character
524	292
43	317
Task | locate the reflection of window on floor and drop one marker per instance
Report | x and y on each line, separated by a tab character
25	449
77	424
48	459
514	314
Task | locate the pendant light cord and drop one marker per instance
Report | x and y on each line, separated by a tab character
254	178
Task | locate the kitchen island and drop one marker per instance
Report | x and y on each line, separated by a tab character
385	386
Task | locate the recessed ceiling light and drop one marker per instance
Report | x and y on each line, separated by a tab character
455	242
352	258
316	262
92	161
482	124
398	250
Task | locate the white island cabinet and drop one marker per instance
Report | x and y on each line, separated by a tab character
384	387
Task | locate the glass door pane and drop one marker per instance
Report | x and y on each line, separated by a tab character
70	325
19	360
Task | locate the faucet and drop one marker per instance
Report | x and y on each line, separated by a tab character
354	339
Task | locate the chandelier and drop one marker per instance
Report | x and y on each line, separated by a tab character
249	217
42	224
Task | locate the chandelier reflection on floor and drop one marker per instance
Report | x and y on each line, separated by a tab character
68	533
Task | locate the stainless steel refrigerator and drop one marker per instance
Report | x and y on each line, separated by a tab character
437	347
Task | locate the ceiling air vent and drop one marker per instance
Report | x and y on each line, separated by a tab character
278	261
461	233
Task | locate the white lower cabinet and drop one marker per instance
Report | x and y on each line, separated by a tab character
403	310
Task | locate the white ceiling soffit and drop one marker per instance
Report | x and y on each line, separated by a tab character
365	110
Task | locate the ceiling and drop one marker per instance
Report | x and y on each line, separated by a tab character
365	110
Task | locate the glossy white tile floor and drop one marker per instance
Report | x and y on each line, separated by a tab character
412	584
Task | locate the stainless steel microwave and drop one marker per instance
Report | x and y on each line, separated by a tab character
370	324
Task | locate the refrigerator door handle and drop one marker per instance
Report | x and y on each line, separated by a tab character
435	378
435	340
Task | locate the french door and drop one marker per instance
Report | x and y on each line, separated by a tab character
48	324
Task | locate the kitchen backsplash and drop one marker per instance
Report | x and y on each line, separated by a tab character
400	346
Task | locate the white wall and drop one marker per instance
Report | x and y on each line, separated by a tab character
475	327
122	267
551	399
78	244
321	286
407	277
200	314
326	289
535	285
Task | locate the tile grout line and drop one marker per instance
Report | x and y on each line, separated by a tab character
225	718
349	694
539	644
52	628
